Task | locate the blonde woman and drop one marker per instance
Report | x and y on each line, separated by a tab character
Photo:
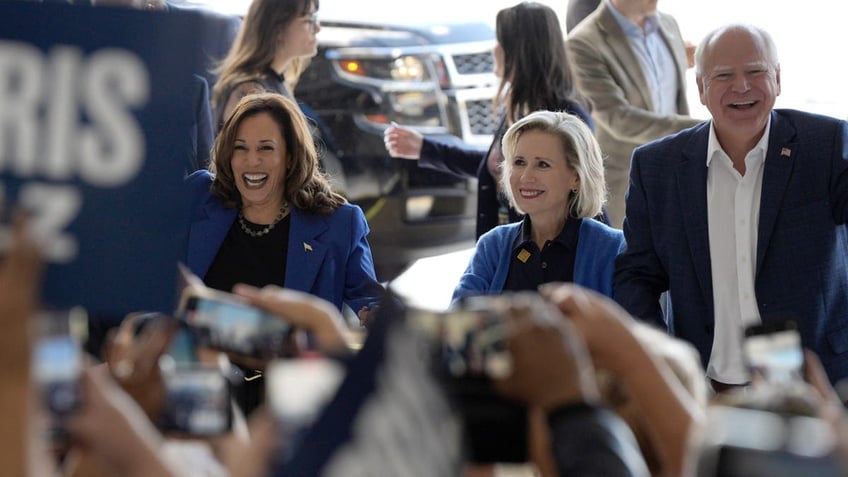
553	173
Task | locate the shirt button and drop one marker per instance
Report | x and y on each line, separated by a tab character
544	265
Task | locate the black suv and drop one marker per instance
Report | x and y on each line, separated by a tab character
437	78
367	76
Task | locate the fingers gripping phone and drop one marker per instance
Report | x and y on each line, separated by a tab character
225	322
470	352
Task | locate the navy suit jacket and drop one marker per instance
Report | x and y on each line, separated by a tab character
802	245
328	255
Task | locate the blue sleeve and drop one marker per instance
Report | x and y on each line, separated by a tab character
597	249
617	246
456	160
361	287
612	249
639	277
480	273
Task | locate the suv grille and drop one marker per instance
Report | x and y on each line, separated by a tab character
474	63
481	117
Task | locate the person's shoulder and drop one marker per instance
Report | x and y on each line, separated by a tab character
199	180
676	141
803	118
348	209
808	128
601	230
668	20
204	12
255	84
588	27
576	109
500	233
346	213
199	185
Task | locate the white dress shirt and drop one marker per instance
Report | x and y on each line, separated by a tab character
654	57
733	208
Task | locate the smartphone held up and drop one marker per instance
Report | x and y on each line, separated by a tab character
58	363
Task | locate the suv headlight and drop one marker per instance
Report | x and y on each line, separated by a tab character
405	88
407	68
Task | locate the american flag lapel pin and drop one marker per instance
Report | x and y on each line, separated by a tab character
785	152
307	247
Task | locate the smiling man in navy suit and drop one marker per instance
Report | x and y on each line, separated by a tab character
742	219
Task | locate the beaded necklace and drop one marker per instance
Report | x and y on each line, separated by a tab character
258	233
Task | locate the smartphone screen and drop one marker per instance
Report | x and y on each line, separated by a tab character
234	326
58	365
197	401
182	350
197	395
775	352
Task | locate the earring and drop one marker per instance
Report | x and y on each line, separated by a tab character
574	190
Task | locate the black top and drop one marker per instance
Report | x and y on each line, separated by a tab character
256	261
530	267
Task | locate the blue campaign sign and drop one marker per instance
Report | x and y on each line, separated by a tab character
95	118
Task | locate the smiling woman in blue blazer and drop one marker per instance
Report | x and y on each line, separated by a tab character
553	172
266	214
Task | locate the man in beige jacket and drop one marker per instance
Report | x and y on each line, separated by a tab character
630	63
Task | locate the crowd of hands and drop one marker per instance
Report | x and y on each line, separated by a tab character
114	432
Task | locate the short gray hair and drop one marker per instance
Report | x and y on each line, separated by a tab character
582	154
755	32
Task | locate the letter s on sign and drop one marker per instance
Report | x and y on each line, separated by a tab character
112	151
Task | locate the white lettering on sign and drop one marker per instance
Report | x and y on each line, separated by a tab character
43	100
50	209
67	115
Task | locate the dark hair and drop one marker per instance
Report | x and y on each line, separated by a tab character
536	73
256	45
305	185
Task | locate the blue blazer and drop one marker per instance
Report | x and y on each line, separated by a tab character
802	245
328	255
597	247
